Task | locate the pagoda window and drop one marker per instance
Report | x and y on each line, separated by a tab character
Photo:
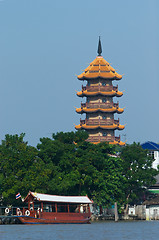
87	117
104	134
103	100
104	117
103	84
88	100
88	83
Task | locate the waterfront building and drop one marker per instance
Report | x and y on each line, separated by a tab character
152	208
99	106
153	151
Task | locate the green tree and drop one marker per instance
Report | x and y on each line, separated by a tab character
20	168
68	165
103	178
138	171
79	168
15	159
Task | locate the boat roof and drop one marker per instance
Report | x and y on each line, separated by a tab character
55	198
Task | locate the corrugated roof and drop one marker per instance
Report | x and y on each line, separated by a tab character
150	146
56	198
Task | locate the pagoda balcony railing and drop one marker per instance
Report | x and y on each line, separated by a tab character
103	139
100	88
99	105
90	122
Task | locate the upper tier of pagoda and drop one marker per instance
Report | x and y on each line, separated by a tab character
110	91
100	123
99	68
105	108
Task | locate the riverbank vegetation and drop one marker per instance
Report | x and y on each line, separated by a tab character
68	165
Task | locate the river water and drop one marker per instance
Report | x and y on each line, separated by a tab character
137	230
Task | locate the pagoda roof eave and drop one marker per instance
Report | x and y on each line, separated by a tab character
107	110
82	78
111	127
86	93
118	143
114	143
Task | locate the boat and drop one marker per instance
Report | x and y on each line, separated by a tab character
52	209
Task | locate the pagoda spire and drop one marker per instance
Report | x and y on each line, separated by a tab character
99	47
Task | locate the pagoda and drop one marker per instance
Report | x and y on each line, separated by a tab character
99	106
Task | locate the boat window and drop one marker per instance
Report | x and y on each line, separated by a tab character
74	208
53	208
84	208
49	207
31	207
62	207
37	206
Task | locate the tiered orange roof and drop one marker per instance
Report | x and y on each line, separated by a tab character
112	93
99	68
92	110
118	143
112	127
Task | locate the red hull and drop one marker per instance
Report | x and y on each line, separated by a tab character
62	218
29	220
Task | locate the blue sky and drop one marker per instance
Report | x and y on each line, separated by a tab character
45	43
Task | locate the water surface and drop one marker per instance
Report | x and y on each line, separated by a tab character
137	230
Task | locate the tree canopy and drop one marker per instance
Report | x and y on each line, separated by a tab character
138	171
68	165
79	168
